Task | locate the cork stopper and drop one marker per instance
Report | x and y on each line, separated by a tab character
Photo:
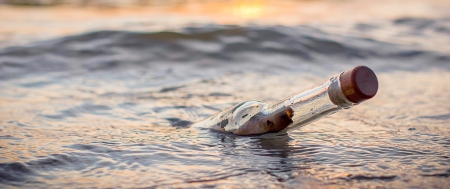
359	84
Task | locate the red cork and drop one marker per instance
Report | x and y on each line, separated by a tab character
359	84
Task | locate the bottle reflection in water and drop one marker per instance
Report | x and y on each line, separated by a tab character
254	117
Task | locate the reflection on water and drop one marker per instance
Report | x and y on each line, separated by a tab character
113	109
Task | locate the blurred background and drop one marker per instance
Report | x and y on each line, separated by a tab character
26	20
102	93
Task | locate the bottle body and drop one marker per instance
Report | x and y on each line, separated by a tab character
249	118
254	117
315	102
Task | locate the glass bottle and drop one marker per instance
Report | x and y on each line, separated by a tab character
254	117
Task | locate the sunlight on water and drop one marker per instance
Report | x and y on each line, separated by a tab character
112	109
74	17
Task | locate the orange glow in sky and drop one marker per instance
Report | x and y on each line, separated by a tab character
249	9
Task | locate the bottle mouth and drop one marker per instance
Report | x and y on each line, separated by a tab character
358	84
336	95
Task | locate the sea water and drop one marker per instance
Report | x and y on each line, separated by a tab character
113	109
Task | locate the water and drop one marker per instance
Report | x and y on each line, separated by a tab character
113	109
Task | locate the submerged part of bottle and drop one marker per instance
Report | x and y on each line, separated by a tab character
249	118
340	92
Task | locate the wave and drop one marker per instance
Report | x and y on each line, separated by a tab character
214	47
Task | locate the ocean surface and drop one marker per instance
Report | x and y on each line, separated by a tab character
113	108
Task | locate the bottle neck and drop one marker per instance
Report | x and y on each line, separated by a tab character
336	95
